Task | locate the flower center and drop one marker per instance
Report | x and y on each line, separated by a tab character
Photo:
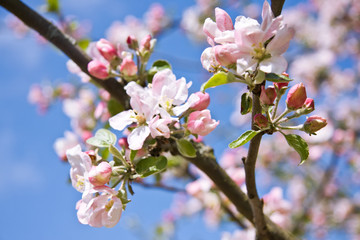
109	205
259	53
140	119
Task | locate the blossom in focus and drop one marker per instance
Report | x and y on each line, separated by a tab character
260	120
268	95
98	210
80	163
200	122
106	49
245	43
128	67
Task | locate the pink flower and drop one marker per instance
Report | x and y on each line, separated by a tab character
200	122
309	105
268	95
100	175
98	69
296	96
314	124
100	210
128	67
159	127
203	102
106	49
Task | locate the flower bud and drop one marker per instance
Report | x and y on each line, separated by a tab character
203	102
309	105
279	86
123	143
314	124
296	96
145	42
98	69
200	122
128	67
260	120
106	49
132	42
100	175
268	95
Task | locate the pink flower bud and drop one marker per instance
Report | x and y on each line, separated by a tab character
260	120
100	175
128	67
145	42
132	42
296	96
106	49
280	85
309	105
200	122
314	124
268	95
203	103
123	143
98	69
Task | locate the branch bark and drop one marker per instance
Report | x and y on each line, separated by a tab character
50	32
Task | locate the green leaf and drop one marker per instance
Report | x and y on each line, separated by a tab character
156	67
83	43
147	166
53	6
218	79
114	107
278	78
186	148
244	138
117	154
133	154
246	103
299	144
102	138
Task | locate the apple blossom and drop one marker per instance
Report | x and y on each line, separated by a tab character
200	122
261	121
128	67
267	95
203	103
106	49
314	124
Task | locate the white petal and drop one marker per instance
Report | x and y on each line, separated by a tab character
275	64
121	120
137	137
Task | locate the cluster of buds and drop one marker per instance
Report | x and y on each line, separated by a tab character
296	102
114	61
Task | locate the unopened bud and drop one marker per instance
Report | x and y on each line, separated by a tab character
296	96
132	42
145	42
128	67
268	95
123	142
98	69
203	102
314	124
280	86
309	105
261	121
100	175
106	49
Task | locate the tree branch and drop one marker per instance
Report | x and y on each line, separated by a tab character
65	44
276	6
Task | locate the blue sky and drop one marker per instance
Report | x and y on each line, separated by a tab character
36	200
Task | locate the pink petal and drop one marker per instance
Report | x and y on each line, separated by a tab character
137	137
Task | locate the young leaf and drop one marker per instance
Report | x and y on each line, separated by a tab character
244	138
156	67
102	138
133	154
278	78
114	107
147	166
299	145
186	148
218	79
246	103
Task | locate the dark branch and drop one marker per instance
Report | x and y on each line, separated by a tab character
276	6
64	43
